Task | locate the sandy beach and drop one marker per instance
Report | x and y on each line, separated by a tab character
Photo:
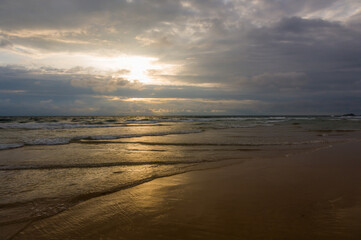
180	120
307	196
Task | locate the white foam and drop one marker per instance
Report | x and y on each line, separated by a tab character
55	125
49	141
65	140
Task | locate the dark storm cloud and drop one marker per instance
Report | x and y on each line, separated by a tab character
77	77
144	13
292	44
312	44
112	22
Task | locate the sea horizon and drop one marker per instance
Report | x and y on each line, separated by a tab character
180	119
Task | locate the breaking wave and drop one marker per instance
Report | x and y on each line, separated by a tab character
67	140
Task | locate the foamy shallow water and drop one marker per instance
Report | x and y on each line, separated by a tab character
48	164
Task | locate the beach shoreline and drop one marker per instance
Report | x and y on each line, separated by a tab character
312	195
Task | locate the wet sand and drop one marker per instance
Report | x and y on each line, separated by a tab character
308	196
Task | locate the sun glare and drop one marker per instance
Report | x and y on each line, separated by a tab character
131	67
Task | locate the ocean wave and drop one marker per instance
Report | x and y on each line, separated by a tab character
51	125
109	137
223	125
10	146
96	165
67	140
62	125
50	141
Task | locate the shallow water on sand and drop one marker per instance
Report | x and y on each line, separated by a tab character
48	164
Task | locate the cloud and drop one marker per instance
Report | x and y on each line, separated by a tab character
104	84
276	52
276	82
289	45
11	91
5	43
307	45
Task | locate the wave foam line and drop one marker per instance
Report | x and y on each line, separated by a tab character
206	144
10	146
66	140
95	165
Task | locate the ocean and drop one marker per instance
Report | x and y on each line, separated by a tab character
48	164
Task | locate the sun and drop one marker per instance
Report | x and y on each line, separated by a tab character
134	68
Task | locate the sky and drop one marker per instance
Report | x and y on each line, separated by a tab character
168	57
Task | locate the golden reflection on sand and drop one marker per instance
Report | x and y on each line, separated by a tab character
298	198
